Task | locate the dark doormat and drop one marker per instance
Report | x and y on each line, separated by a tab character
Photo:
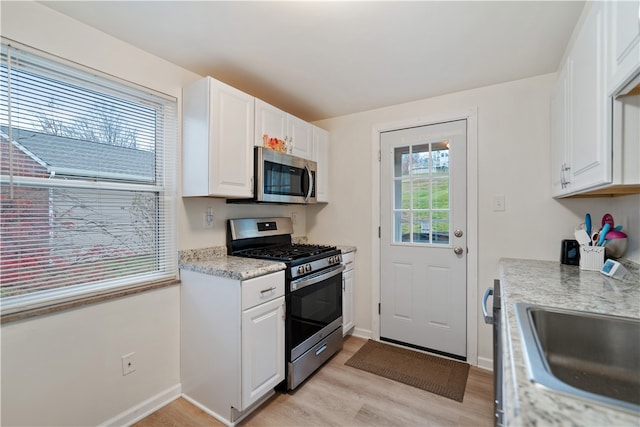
437	375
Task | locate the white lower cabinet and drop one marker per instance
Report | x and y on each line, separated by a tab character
348	259
262	349
231	342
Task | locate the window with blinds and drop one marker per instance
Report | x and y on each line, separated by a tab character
87	182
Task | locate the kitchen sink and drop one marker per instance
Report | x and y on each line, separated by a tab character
582	354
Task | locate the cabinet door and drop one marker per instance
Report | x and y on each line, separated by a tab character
321	156
623	53
589	144
262	350
232	118
300	134
558	135
217	145
347	301
270	121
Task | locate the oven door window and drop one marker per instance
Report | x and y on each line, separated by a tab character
286	180
314	307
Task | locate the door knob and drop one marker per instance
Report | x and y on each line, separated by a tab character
458	250
458	233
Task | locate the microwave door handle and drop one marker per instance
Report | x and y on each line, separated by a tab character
306	199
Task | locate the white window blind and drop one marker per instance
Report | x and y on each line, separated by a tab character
87	182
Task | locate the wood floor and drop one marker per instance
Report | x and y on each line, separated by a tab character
338	395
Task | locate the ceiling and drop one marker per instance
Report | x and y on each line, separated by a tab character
325	59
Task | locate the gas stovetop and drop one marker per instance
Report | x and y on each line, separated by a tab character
286	252
270	239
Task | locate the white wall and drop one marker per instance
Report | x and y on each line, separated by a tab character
65	368
513	160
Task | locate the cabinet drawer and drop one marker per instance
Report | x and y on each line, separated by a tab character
348	259
262	289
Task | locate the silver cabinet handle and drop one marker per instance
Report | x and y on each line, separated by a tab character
487	319
264	291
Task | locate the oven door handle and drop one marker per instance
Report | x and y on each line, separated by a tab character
315	278
306	199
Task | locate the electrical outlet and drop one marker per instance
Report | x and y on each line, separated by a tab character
128	363
207	218
498	203
294	217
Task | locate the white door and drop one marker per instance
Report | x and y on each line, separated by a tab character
423	237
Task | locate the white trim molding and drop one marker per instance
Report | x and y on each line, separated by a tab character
141	410
471	115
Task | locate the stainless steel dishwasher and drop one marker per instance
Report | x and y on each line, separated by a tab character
494	319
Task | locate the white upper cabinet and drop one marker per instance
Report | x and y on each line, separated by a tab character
301	137
217	142
595	105
589	147
275	123
581	157
321	157
270	121
623	56
559	156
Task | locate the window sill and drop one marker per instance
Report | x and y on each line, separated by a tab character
82	301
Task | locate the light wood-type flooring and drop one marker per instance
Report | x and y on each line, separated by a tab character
339	395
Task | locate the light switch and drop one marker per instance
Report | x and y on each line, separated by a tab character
498	202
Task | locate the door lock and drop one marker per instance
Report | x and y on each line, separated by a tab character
458	233
458	250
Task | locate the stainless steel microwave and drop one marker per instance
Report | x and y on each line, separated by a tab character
282	178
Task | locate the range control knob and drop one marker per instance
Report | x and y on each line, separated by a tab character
307	268
300	269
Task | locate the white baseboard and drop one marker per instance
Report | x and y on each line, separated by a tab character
240	415
485	363
141	410
362	333
215	415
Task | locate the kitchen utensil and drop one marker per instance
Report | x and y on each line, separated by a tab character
587	223
603	233
582	237
617	228
615	234
607	219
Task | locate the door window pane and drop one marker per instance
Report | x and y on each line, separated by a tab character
421	193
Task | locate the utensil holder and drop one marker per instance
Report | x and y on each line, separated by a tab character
591	257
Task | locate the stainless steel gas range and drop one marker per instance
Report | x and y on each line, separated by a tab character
313	290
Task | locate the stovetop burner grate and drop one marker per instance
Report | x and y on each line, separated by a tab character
287	252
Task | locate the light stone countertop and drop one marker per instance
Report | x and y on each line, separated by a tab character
557	285
215	262
346	249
